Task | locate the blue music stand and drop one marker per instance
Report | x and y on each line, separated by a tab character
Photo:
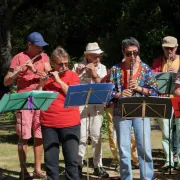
88	94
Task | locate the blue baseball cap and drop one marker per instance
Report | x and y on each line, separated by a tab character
37	39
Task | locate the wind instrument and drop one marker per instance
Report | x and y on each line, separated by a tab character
23	65
131	71
168	62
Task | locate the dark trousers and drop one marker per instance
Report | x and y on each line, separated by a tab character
69	138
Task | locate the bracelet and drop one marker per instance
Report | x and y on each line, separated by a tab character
36	71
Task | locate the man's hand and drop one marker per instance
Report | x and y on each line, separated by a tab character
172	69
90	68
30	66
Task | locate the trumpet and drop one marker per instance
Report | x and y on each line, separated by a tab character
23	65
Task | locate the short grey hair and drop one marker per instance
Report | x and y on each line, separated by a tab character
130	42
58	53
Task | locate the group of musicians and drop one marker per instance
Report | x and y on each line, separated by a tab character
69	126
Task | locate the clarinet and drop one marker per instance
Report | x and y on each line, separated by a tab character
131	71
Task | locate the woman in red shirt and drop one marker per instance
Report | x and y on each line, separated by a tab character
59	124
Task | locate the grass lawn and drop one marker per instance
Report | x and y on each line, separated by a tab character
9	164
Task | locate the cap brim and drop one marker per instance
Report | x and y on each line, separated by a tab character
169	45
41	44
93	52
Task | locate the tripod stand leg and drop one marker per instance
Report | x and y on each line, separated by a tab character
20	144
87	135
169	147
144	148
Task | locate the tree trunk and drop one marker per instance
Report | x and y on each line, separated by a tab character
5	38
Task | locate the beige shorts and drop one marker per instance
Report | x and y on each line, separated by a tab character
30	122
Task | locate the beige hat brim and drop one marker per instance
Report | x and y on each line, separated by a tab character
93	52
170	45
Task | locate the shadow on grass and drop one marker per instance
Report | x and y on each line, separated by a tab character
8	175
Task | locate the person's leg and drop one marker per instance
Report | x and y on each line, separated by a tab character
177	121
96	120
51	152
123	131
164	126
70	144
24	116
38	145
139	135
112	140
83	134
134	155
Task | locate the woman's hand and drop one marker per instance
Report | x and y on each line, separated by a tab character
127	93
134	86
56	76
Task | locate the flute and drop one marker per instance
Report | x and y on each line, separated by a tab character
50	75
22	66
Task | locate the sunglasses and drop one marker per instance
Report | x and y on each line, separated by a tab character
62	64
130	53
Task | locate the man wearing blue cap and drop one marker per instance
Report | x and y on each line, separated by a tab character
28	77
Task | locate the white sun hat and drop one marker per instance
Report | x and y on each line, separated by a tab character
93	48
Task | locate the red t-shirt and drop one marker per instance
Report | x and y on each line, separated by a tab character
57	116
27	80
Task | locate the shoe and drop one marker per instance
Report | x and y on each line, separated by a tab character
135	166
166	167
177	168
117	168
175	157
100	172
39	175
80	171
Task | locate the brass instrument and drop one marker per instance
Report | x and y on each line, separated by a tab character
168	62
23	65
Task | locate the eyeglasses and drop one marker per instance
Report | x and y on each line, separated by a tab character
62	64
130	53
95	57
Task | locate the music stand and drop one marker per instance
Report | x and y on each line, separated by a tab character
166	84
32	100
88	94
151	107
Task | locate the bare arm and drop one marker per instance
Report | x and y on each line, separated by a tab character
177	90
8	80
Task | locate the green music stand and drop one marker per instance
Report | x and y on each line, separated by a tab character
166	85
32	100
166	82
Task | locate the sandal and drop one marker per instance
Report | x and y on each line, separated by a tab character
39	175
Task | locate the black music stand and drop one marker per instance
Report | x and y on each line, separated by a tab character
166	84
150	107
32	100
85	95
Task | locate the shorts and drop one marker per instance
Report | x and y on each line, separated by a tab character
30	122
